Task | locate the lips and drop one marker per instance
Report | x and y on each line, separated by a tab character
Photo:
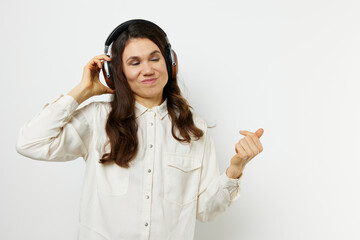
149	81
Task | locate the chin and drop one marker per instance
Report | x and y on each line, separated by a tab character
149	94
153	95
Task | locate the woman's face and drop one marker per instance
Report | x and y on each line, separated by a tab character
145	70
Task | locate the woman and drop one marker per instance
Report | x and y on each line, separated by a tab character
151	167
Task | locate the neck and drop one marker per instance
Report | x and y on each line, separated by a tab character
149	102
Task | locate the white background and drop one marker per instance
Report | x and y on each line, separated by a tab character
289	67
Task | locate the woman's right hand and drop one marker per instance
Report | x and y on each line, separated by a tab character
90	84
90	79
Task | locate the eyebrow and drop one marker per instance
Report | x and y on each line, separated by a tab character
136	57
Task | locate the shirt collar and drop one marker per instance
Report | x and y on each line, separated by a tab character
160	110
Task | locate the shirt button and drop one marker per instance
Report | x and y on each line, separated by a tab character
151	124
149	170
147	196
146	224
150	145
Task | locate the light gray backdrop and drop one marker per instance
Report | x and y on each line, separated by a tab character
289	67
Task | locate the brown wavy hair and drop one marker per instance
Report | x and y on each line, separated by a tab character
121	125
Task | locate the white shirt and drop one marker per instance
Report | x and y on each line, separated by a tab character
168	186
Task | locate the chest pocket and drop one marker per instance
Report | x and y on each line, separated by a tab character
182	176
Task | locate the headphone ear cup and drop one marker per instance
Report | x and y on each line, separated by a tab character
168	63
109	81
174	68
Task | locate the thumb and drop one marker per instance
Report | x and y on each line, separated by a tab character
259	132
109	90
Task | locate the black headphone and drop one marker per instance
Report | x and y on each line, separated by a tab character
170	55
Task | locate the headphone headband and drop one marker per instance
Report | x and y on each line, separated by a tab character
123	26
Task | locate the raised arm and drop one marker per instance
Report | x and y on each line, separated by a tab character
60	132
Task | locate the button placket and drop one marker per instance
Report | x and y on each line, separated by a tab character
149	166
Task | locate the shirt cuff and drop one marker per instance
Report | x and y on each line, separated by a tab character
68	102
232	185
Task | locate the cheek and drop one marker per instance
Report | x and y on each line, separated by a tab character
162	68
130	75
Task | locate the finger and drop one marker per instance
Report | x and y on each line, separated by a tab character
245	133
252	145
247	148
240	151
103	57
258	133
97	62
99	59
254	137
109	90
257	142
91	65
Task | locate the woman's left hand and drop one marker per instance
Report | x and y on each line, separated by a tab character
246	149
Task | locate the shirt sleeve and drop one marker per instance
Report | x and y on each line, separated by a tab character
57	133
216	192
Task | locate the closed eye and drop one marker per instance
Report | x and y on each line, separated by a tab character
137	63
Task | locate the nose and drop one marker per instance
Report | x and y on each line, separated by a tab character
147	69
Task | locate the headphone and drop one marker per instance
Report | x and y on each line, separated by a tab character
170	55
